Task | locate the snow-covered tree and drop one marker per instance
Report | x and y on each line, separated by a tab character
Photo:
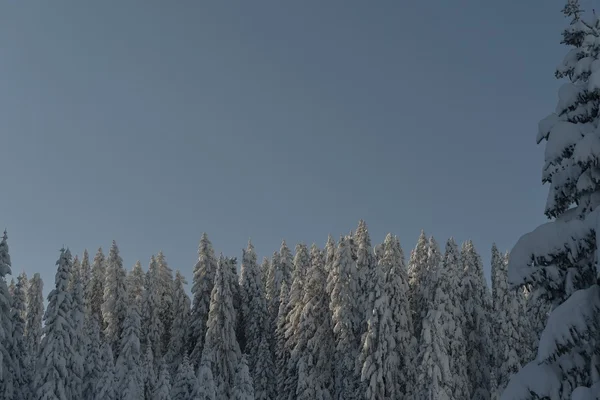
221	351
149	375
345	315
128	376
135	284
78	344
185	385
93	362
417	280
263	374
114	306
243	388
314	343
6	359
152	323
264	272
378	360
273	287
20	350
52	377
281	353
105	388
560	258
35	314
94	295
85	272
202	286
207	389
163	386
181	313
366	275
254	307
477	330
286	264
165	286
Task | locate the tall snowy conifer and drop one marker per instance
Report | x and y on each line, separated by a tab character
163	386
152	326
560	259
20	350
135	284
129	377
207	389
53	374
185	385
79	345
93	362
243	389
114	307
366	265
202	286
281	352
149	375
6	330
345	317
94	295
264	368
221	351
35	314
177	347
105	388
314	345
85	272
165	285
417	280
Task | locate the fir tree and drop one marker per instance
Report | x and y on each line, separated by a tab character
135	284
6	360
281	352
185	385
181	312
417	280
286	264
149	375
79	339
53	373
243	388
366	265
263	375
207	387
202	286
165	286
105	388
221	351
85	272
114	306
94	295
35	314
163	386
152	323
129	377
93	362
20	350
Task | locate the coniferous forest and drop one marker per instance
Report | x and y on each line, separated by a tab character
343	320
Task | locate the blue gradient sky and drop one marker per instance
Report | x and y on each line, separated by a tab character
149	122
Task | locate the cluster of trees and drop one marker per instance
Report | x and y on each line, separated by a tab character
345	322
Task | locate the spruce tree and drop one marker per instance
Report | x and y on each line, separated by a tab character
243	388
53	374
79	345
165	286
149	375
207	389
114	306
281	352
264	368
6	359
22	356
152	326
94	295
177	347
314	345
366	265
135	284
163	386
202	286
85	272
286	264
345	315
128	373
93	362
185	384
417	280
35	314
105	388
221	351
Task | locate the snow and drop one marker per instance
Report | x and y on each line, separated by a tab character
545	126
587	149
563	135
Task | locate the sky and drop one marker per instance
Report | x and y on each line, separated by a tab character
150	122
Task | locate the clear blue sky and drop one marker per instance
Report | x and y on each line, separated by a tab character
149	122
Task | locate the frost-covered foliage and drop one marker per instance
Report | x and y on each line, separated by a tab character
149	372
366	275
35	314
165	290
202	286
243	388
560	258
128	376
263	375
417	280
93	362
105	388
163	386
281	354
94	295
20	351
6	358
135	284
207	389
79	345
114	307
177	347
53	374
185	385
345	316
152	326
221	351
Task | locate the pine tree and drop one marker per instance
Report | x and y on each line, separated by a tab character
165	284
378	351
315	343
20	351
105	389
6	360
392	260
477	303
35	314
346	316
177	347
152	323
417	280
94	295
114	307
221	351
163	386
185	385
128	374
93	363
254	307
207	387
135	284
202	286
53	373
243	388
292	320
76	362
